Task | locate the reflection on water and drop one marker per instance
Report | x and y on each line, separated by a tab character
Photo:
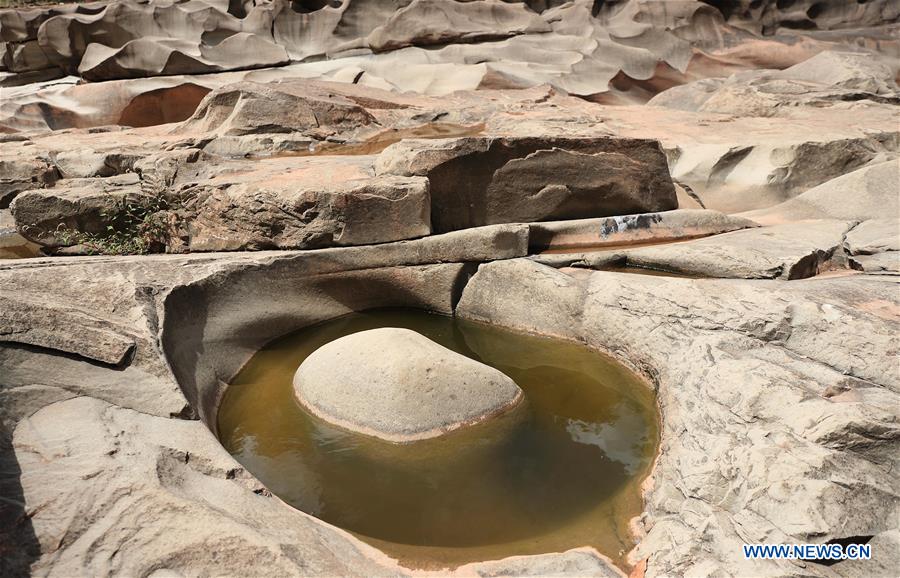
561	472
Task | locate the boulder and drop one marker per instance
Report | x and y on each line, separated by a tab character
284	203
488	180
400	386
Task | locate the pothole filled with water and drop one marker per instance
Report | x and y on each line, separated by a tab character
562	472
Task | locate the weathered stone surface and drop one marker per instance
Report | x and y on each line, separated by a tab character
646	227
768	378
282	203
400	386
106	476
793	251
574	563
779	398
46	216
822	81
866	193
287	214
477	181
19	174
427	22
250	107
874	245
25	56
38	324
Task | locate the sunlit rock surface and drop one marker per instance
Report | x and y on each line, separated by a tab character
398	385
362	131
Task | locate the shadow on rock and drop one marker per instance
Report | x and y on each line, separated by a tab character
19	546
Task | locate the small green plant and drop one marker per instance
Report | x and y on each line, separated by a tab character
138	226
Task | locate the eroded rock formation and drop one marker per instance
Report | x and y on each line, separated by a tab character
424	154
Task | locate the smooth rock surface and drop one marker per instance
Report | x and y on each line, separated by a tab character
794	251
773	395
866	193
400	386
641	228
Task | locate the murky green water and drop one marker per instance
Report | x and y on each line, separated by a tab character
561	472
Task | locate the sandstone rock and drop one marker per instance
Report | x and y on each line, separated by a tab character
49	216
792	251
286	214
734	178
23	322
128	39
249	107
575	563
758	357
148	57
769	17
628	50
21	173
86	163
866	193
824	80
96	465
400	386
874	245
554	297
426	22
851	70
646	227
477	181
789	385
136	102
25	57
874	236
15	246
281	203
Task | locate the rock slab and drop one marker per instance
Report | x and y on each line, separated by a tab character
489	180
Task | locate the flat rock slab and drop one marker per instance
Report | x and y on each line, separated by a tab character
400	386
790	251
230	205
489	180
645	227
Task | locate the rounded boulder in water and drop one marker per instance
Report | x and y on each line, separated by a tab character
399	386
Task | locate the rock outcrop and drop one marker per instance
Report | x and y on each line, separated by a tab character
249	107
823	80
419	152
772	403
479	181
866	193
397	385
